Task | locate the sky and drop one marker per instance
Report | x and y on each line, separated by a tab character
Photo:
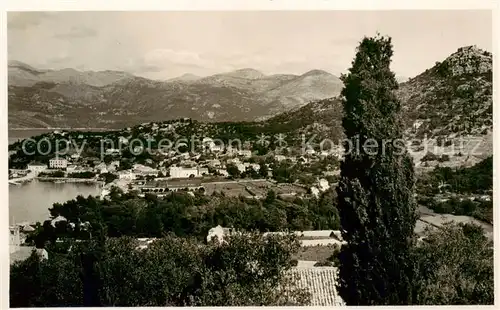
162	45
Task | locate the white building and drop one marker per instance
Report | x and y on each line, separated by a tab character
208	143
241	167
58	163
36	167
217	233
323	185
182	172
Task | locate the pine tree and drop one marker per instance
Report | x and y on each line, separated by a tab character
375	193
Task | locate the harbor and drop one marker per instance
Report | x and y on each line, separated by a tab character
30	201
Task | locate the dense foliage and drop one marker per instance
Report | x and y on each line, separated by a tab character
108	177
246	269
477	208
82	175
185	215
375	191
52	174
455	267
459	191
475	179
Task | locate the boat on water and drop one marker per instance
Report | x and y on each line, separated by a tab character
59	181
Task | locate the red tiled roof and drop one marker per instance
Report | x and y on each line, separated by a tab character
320	282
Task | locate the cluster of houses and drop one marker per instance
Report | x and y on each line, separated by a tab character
211	160
54	163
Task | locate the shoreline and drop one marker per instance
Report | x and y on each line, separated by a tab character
68	180
57	180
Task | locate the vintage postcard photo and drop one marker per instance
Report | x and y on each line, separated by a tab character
250	158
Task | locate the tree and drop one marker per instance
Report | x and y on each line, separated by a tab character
108	159
233	171
245	269
375	191
109	177
270	197
251	172
263	171
455	266
45	283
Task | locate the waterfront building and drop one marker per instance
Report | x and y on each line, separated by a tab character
36	167
58	163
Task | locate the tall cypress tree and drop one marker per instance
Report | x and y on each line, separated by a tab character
375	193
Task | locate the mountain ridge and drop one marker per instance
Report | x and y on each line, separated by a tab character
115	98
451	98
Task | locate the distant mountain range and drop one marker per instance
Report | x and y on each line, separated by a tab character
452	98
114	99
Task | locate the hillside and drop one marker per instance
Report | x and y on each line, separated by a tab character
308	87
117	99
452	98
447	108
21	74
